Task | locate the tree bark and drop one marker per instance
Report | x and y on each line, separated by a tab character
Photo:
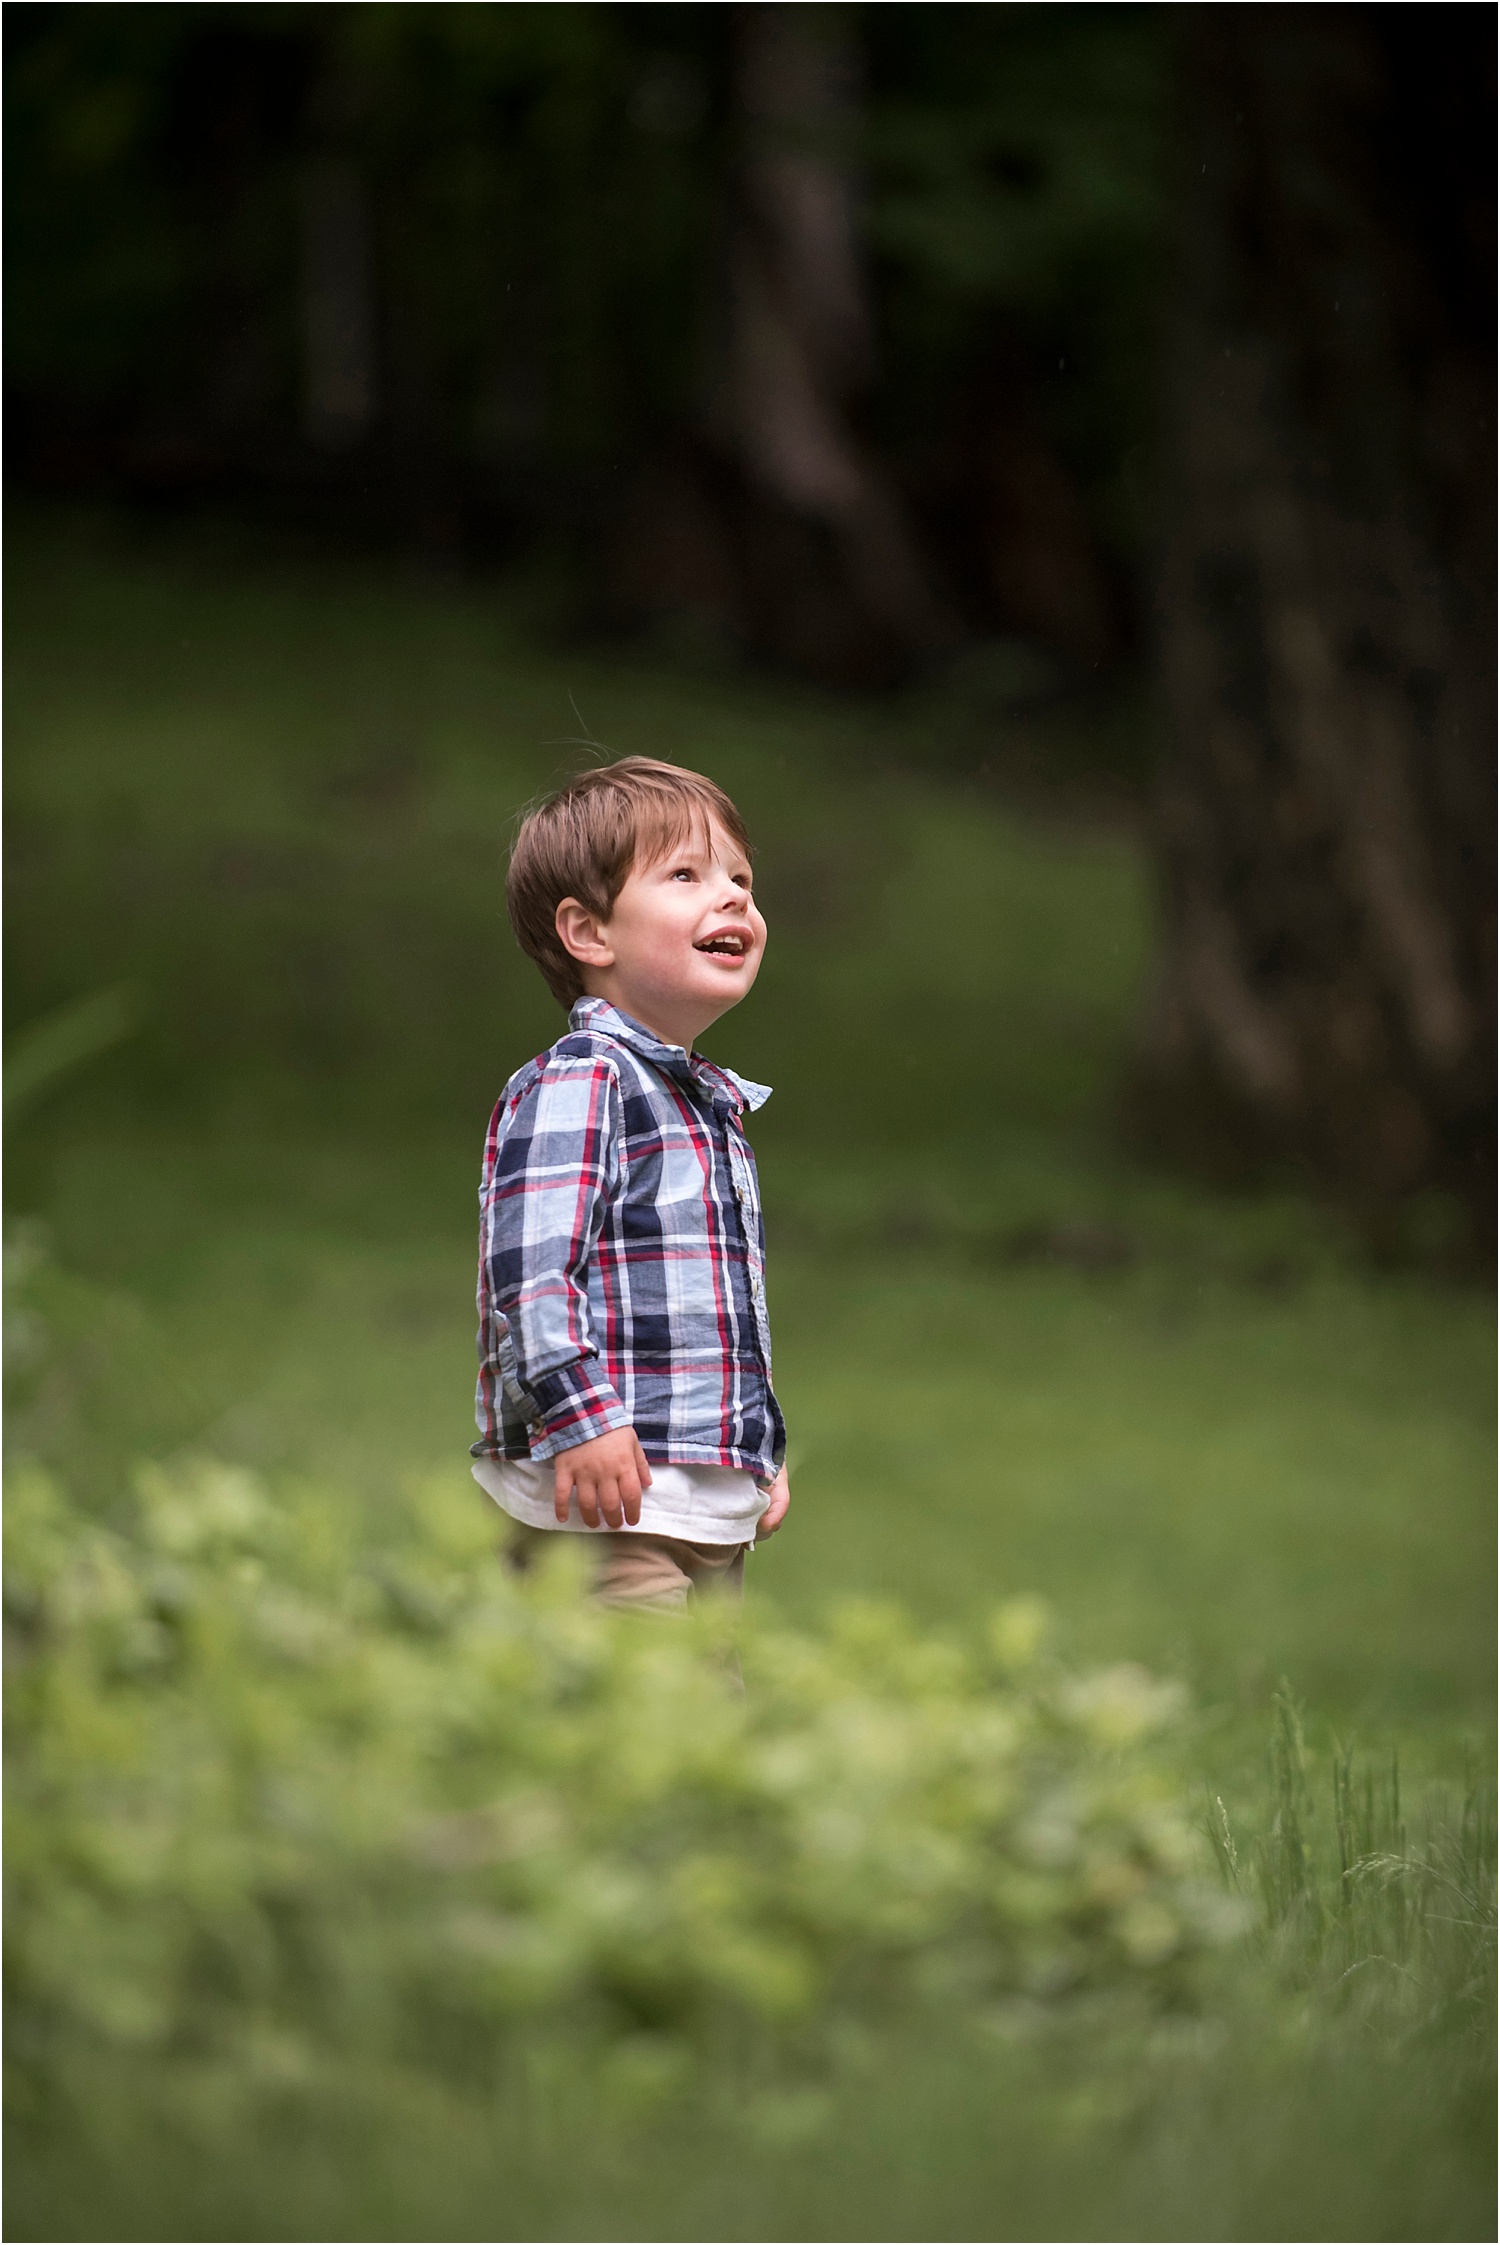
1327	605
338	304
778	515
340	374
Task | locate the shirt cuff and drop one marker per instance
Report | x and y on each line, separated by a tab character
576	1404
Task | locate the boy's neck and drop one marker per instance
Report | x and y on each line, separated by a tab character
685	1032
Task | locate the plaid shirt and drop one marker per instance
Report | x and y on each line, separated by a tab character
622	1255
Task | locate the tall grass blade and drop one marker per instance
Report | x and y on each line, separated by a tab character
52	1048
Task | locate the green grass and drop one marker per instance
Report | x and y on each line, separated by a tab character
271	793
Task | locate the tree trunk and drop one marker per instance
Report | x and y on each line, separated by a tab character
1327	605
339	376
338	315
778	517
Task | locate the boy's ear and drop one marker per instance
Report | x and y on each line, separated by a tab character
581	935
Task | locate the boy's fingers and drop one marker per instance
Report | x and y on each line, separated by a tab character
617	1495
776	1511
609	1504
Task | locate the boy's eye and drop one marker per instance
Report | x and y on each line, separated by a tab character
683	873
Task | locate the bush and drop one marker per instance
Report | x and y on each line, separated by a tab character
280	1802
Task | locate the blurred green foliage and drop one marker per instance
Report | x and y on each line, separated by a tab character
323	1835
283	1797
288	1746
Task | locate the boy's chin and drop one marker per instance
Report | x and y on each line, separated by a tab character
722	991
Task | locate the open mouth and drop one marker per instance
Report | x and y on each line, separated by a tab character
724	946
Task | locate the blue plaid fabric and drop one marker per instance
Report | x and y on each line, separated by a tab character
622	1255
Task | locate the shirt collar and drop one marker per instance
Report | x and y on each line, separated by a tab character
605	1020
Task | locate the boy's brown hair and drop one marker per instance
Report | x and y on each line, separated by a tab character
588	838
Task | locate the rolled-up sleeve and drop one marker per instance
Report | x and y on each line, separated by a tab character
556	1167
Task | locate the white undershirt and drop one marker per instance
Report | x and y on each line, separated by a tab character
698	1503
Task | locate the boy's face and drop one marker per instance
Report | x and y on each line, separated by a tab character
683	943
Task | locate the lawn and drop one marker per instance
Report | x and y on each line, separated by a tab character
269	793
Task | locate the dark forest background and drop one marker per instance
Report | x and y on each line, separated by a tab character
1056	346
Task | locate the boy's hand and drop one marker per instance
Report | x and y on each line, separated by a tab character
775	1512
609	1474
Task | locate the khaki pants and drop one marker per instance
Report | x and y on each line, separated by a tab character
658	1573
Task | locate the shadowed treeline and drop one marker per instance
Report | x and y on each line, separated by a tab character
696	290
1076	339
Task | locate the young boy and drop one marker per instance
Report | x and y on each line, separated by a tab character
625	1358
